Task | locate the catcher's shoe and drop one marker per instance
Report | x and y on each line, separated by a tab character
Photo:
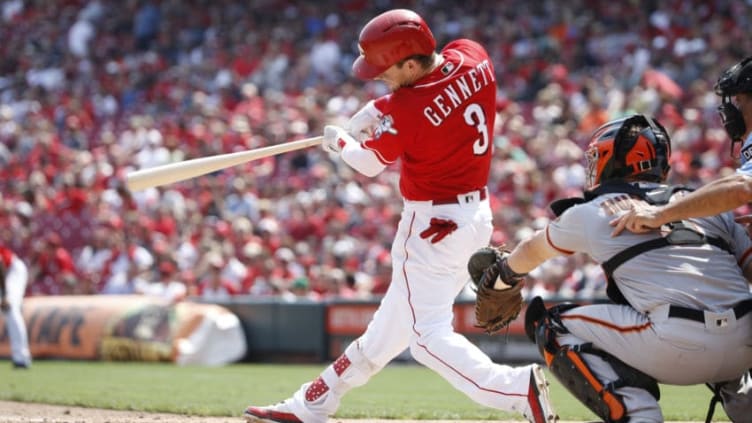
278	413
539	408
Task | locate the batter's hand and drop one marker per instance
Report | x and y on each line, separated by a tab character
639	219
335	139
364	120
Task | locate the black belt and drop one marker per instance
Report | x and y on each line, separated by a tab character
740	310
460	198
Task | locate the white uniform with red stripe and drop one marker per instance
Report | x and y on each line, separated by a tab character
16	276
440	131
674	350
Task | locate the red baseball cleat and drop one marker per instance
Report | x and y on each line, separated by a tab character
278	413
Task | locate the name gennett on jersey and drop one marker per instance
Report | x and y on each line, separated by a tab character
458	91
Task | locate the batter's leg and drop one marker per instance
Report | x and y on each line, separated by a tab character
473	373
385	337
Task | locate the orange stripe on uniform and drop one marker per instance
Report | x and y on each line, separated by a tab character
609	325
561	250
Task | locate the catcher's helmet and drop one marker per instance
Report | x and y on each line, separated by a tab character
734	80
389	38
632	146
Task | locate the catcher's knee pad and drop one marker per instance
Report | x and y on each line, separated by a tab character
542	325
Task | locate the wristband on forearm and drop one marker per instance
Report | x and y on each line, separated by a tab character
506	273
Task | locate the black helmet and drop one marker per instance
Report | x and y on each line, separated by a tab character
636	146
734	80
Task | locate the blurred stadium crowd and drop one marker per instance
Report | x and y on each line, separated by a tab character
90	90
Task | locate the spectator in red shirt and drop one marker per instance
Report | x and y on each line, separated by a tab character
52	269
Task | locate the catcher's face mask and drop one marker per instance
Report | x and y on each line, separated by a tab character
735	80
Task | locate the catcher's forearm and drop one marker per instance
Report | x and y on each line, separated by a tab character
531	253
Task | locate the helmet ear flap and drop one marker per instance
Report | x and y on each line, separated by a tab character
663	142
732	120
625	139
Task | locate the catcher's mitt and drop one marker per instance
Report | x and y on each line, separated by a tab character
497	303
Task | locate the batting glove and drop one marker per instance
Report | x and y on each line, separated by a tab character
363	121
335	139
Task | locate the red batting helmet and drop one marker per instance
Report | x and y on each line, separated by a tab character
389	38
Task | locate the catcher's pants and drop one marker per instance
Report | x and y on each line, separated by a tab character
416	313
737	398
15	283
673	350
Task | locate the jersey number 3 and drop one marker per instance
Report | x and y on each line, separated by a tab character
475	117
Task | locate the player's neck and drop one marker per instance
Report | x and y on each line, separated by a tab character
437	61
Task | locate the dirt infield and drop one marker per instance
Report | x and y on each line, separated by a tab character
19	412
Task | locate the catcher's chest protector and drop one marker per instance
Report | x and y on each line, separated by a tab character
679	233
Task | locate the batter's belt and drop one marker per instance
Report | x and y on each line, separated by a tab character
740	310
467	197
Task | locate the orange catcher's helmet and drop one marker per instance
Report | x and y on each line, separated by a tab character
637	145
389	38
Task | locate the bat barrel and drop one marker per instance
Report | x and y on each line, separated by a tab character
180	171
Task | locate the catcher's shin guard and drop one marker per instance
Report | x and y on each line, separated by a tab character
569	367
567	364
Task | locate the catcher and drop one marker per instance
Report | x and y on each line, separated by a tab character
681	301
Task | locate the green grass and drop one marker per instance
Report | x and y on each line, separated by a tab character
399	391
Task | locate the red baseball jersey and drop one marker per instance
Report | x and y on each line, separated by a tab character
442	126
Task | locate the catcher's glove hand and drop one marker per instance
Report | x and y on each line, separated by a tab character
497	302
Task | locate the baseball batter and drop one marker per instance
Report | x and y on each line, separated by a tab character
438	123
13	279
682	301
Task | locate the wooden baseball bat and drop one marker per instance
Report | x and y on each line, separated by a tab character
180	171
